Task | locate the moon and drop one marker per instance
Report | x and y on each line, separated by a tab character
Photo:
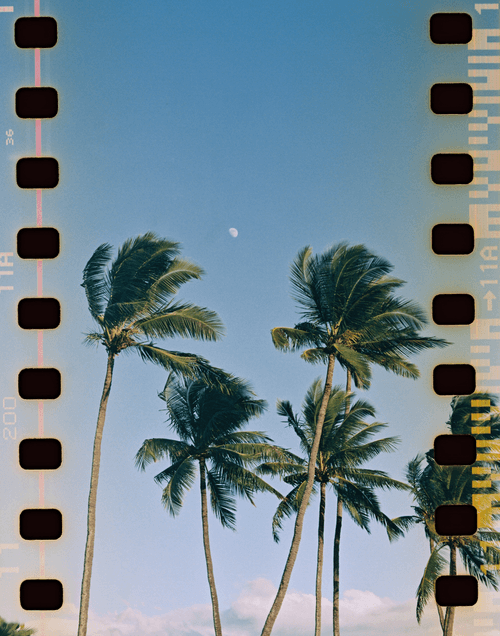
233	231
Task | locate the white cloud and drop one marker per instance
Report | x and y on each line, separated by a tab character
363	613
357	604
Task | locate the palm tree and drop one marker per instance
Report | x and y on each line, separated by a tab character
132	303
438	485
344	445
208	422
434	486
14	629
349	314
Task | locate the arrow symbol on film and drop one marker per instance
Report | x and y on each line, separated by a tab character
490	296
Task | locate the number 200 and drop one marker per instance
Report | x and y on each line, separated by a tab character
9	418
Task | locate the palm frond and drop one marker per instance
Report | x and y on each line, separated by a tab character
138	266
183	363
184	320
179	271
223	504
403	523
394	363
152	450
285	409
374	479
288	339
433	569
355	361
356	453
181	479
93	339
94	280
271	452
243	437
286	508
281	469
220	380
242	481
358	513
314	356
300	277
476	557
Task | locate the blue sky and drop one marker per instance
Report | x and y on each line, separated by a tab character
296	123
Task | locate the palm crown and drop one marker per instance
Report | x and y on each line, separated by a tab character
345	445
208	423
132	302
348	309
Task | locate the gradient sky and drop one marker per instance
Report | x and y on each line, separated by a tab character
296	123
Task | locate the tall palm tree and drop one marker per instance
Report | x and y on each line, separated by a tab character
132	303
208	422
345	445
349	313
14	629
434	486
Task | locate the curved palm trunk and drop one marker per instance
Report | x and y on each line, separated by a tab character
206	546
319	570
450	610
299	520
94	478
336	569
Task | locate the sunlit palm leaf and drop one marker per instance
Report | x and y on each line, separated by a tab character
176	361
288	339
184	320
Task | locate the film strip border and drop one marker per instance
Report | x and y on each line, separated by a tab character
484	68
38	313
479	100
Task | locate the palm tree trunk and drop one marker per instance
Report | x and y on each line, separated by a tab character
319	570
336	569
206	546
94	478
439	608
450	610
338	530
299	521
348	389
